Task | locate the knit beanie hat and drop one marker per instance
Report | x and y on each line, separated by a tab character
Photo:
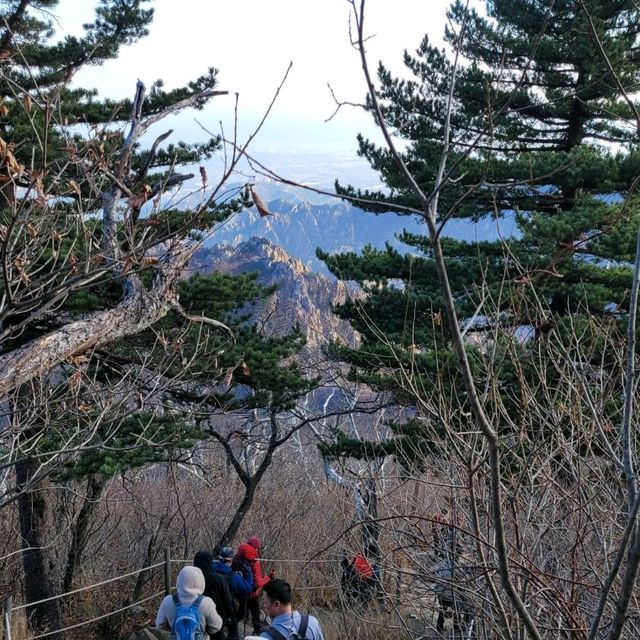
254	541
190	584
225	553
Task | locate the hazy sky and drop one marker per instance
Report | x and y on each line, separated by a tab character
252	42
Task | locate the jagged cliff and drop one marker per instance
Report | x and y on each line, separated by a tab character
303	297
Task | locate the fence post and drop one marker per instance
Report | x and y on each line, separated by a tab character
167	571
6	616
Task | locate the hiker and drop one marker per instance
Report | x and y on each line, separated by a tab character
358	579
285	623
188	614
440	525
248	553
218	589
451	593
240	580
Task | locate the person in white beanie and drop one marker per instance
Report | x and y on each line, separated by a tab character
189	586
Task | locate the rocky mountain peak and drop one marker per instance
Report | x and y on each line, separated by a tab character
303	298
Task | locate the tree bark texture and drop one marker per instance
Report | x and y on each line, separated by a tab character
139	309
38	569
81	529
238	516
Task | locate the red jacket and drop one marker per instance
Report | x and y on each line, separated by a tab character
362	567
250	554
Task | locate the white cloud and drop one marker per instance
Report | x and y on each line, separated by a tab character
251	42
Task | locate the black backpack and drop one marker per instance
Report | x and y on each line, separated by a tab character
300	634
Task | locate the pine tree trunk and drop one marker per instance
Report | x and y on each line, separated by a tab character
238	517
80	536
39	582
144	576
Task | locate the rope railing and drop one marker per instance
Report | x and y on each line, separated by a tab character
91	586
105	615
166	564
178	561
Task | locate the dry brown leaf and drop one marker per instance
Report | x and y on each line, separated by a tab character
136	202
31	230
4	110
260	204
147	261
73	185
28	102
126	266
203	176
12	166
36	176
73	261
228	377
151	221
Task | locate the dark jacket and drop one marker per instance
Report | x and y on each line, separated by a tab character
240	577
216	587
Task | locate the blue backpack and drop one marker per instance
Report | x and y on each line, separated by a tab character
186	625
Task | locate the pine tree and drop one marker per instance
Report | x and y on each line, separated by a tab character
92	328
540	132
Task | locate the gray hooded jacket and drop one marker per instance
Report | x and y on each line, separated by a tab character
189	585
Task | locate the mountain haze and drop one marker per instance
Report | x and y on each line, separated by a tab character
300	226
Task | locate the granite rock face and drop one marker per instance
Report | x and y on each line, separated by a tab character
303	298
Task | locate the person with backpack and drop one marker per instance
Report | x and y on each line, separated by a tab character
238	573
188	614
240	581
217	588
453	594
286	624
247	553
359	579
